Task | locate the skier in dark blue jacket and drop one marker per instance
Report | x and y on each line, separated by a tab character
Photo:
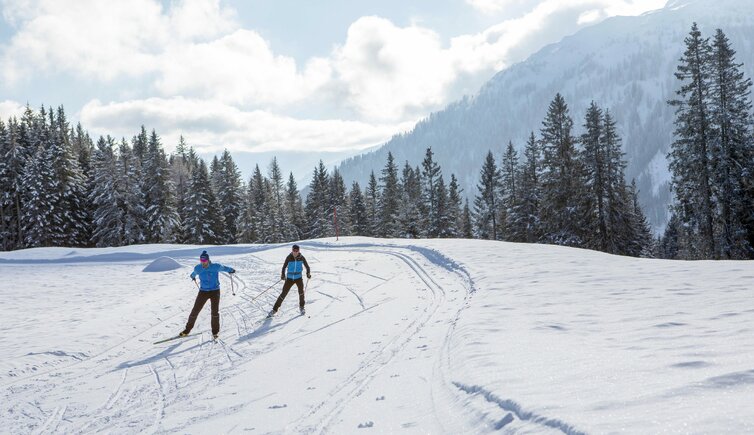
294	267
209	288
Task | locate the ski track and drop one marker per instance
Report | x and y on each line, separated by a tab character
358	380
190	365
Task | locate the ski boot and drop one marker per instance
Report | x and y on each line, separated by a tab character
303	311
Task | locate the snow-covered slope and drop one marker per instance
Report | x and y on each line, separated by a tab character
439	336
625	64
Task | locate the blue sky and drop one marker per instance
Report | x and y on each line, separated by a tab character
270	76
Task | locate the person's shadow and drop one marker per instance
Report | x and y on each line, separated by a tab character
265	328
154	358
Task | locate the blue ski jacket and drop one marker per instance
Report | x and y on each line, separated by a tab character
209	278
295	266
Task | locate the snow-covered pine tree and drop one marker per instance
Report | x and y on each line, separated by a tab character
454	207
13	157
410	215
561	207
180	175
253	216
70	210
357	211
202	223
487	201
131	196
338	200
508	189
106	197
230	197
140	145
83	148
689	157
372	200
615	203
318	204
389	203
431	173
524	220
731	148
40	195
594	160
295	222
215	183
444	222
158	193
276	218
467	229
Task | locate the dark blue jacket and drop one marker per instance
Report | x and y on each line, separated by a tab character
210	277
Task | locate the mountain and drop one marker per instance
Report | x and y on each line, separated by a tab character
625	64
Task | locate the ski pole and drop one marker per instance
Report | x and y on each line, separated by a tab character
232	290
265	290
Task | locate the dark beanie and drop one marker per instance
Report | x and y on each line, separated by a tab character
295	247
204	255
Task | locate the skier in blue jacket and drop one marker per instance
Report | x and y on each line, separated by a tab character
209	288
294	267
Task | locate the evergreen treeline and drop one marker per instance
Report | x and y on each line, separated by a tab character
712	157
59	188
567	190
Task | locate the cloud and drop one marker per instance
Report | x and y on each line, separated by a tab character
104	40
10	109
213	126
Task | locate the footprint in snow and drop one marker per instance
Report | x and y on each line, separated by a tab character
284	405
311	388
366	425
380	398
332	370
423	347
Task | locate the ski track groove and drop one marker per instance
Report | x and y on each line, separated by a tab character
160	414
53	421
365	373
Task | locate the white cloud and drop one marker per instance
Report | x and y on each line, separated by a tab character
9	109
491	6
387	71
239	68
213	126
104	40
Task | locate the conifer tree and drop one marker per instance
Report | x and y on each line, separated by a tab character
561	209
372	200
389	203
295	217
487	201
202	223
454	207
108	215
410	216
317	205
732	148
357	211
524	220
132	196
158	199
431	173
690	152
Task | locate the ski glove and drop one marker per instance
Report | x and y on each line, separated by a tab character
282	276
308	275
232	271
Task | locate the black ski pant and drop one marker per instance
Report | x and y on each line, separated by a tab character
201	299
286	287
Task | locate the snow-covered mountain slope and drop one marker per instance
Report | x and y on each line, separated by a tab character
440	336
625	64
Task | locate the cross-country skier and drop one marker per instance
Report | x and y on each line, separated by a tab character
294	265
209	288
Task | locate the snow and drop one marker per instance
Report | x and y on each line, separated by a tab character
162	264
431	336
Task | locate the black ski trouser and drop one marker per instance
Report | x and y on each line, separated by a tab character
286	287
201	299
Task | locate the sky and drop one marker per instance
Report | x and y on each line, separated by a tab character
270	76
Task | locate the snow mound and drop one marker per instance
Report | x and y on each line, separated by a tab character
162	264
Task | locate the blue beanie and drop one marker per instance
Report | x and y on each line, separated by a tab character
204	256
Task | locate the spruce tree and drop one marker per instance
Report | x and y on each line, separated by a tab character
562	209
357	211
132	196
317	205
467	229
372	200
389	203
158	198
431	173
106	197
338	202
508	189
410	214
294	211
593	157
690	152
524	220
487	202
202	224
731	150
454	207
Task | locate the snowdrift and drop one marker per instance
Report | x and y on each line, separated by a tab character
162	264
438	336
